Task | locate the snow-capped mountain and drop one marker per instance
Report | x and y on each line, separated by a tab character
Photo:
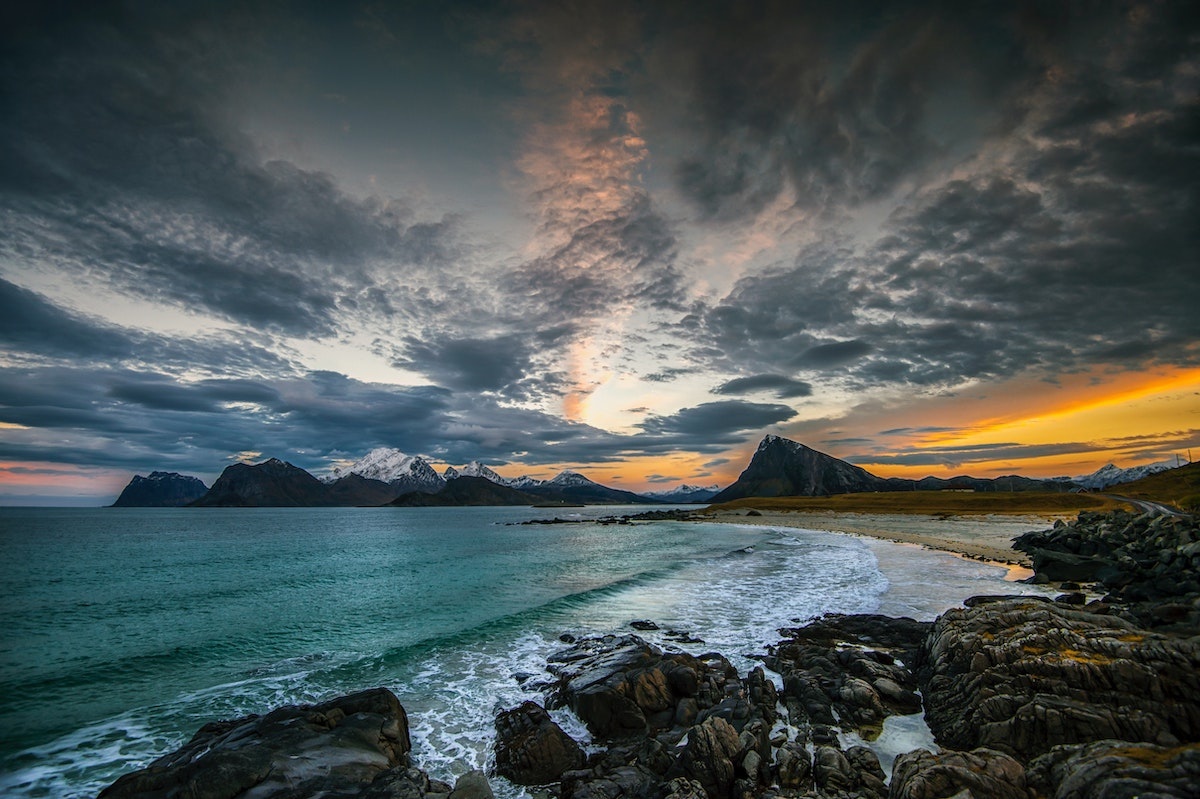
1111	474
685	493
475	469
525	482
569	479
410	472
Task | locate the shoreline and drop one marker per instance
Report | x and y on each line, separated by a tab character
987	538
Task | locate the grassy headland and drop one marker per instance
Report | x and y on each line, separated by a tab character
931	503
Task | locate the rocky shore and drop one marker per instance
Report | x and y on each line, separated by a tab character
1026	697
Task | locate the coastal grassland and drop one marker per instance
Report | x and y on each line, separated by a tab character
931	503
1179	487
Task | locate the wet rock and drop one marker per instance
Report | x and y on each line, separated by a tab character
623	687
710	757
831	677
683	788
338	747
472	785
855	773
982	773
531	749
1024	676
881	633
1117	770
643	625
1060	566
793	766
630	781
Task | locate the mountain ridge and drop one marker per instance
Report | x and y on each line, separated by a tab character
160	490
781	467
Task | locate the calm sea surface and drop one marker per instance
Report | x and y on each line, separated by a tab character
124	630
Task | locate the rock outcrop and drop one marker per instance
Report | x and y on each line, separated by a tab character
1117	770
352	747
1149	565
849	670
346	744
981	773
1023	675
531	749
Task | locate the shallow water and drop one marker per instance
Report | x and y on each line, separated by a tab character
127	629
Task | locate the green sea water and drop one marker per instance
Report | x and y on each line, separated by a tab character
124	630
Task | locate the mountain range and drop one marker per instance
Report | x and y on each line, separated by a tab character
386	477
779	467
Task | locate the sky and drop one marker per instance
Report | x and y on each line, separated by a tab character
624	238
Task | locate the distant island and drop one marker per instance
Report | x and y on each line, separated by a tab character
779	468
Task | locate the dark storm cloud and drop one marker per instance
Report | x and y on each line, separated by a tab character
1072	246
840	104
834	353
32	324
116	165
785	387
718	420
34	329
126	418
472	364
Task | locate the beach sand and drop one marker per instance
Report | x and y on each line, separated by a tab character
983	537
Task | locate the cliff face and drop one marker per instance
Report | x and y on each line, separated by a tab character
783	468
161	490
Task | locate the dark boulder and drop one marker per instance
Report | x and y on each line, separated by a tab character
624	688
854	772
472	785
710	757
340	747
982	773
531	749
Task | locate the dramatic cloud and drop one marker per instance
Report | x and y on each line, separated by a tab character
120	169
785	387
495	231
839	106
31	324
718	420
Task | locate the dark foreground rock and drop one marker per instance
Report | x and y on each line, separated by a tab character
981	773
1022	676
353	746
1117	770
849	670
531	749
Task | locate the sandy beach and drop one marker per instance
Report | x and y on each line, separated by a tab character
985	537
